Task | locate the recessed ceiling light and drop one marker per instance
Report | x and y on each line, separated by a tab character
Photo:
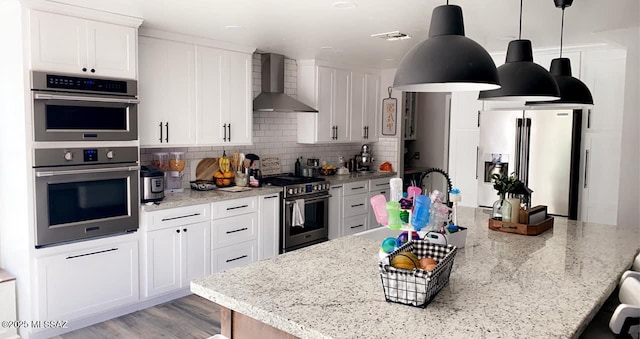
326	47
233	27
343	4
389	59
392	36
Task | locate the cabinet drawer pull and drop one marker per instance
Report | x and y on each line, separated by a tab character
357	188
238	230
92	253
238	258
357	205
383	192
356	226
236	207
271	197
586	165
180	217
383	184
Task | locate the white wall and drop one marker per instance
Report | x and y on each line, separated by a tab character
431	132
388	147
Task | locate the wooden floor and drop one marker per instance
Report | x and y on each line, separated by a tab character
188	317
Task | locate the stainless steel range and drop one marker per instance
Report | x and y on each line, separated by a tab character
305	211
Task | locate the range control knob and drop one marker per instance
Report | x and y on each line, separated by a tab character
290	191
68	156
110	154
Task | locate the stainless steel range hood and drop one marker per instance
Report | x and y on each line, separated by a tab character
272	97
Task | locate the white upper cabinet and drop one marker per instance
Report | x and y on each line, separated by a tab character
225	105
193	95
167	93
73	45
346	101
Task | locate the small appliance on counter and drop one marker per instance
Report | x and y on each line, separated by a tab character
151	184
364	160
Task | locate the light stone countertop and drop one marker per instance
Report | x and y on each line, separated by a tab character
501	286
192	197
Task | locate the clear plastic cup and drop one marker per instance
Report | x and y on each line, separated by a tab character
393	210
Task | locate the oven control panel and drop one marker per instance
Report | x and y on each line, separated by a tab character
305	189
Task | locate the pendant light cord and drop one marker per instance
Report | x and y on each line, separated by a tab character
561	31
520	30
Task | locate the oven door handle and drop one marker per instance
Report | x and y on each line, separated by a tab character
324	197
41	96
40	174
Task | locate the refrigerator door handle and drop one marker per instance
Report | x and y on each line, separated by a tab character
518	154
586	165
477	156
527	151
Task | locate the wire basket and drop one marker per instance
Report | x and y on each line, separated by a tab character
417	287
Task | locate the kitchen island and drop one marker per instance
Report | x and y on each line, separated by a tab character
502	285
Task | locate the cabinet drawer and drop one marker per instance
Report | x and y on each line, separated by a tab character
233	230
233	256
355	224
355	187
379	184
234	207
355	204
176	217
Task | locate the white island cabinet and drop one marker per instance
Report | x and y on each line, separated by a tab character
176	247
76	45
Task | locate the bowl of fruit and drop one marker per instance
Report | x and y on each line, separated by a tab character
224	177
328	170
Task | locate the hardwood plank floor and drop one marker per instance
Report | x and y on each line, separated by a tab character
188	317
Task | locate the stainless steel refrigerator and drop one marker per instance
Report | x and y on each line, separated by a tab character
541	147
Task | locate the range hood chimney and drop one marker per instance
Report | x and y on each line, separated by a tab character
272	97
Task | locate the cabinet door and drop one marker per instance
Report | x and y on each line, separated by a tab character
355	224
58	43
268	226
163	249
111	49
357	117
335	212
239	115
196	255
325	97
341	103
77	284
233	256
600	178
371	108
463	164
373	223
166	92
604	73
355	204
464	111
234	229
212	106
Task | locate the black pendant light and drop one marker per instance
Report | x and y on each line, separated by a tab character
520	77
572	91
447	61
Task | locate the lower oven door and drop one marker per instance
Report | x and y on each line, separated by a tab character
80	203
316	222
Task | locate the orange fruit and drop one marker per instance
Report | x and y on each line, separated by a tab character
219	182
229	175
218	175
226	182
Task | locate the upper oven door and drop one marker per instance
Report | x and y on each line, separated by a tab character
73	204
76	117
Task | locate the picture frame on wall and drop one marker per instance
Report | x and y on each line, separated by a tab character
389	115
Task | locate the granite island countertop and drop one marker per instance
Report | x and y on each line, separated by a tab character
501	285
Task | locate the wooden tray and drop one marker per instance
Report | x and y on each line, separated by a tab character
512	227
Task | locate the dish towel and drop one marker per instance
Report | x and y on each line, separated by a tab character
297	219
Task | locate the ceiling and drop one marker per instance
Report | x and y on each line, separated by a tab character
306	29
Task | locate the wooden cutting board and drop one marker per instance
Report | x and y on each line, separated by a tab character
205	168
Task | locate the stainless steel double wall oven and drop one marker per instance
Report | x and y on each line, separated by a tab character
85	158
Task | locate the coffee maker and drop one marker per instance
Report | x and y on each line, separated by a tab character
364	160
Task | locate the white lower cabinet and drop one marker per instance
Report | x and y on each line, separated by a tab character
335	212
233	256
377	186
355	224
268	226
77	284
177	246
234	233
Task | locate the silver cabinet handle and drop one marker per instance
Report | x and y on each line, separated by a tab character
91	253
586	165
41	96
477	153
181	216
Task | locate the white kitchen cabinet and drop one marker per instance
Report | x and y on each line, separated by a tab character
234	236
79	283
232	230
355	204
233	256
464	168
268	226
355	224
327	90
177	246
75	45
377	186
167	93
335	211
363	110
224	107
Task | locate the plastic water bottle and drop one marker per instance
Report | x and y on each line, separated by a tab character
421	208
379	206
395	185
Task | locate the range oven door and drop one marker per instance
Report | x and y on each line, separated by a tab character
316	222
77	117
84	202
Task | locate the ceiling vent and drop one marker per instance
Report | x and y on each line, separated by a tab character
392	36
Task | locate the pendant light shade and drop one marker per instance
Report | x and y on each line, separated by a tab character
447	61
572	91
521	78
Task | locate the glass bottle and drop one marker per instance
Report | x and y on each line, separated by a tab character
501	209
